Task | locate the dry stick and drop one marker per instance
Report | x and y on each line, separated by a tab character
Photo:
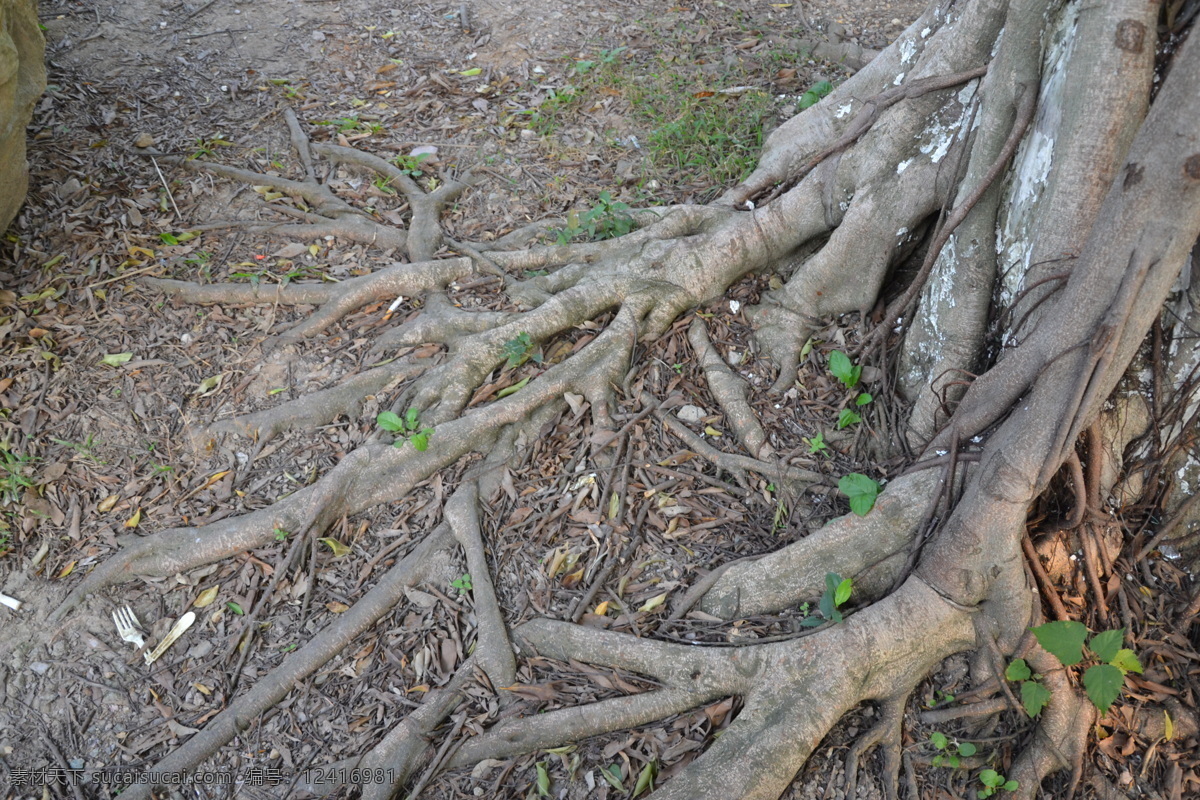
1168	528
635	539
170	196
1044	585
246	637
867	118
1026	106
442	753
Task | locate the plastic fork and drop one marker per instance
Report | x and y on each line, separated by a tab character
127	626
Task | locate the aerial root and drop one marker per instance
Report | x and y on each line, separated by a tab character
312	410
795	478
424	229
554	728
871	550
494	652
1061	736
335	300
887	734
729	389
242	713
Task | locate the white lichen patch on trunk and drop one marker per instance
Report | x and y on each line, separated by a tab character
1026	183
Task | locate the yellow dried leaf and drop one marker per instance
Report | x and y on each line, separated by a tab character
336	607
1168	726
202	689
711	431
207	597
313	249
67	570
214	479
133	521
654	602
107	503
337	547
424	687
601	609
614	506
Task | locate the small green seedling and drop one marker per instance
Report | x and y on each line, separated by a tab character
519	350
411	165
407	429
950	753
816	445
847	417
1102	681
837	592
843	369
463	583
861	491
993	782
605	220
814	94
280	534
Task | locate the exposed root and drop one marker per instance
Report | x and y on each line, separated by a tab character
887	734
243	711
729	390
871	549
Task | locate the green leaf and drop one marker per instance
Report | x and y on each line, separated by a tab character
1018	670
939	740
470	73
410	419
516	387
822	88
612	774
235	608
1126	661
168	238
966	749
847	417
645	778
809	99
842	594
543	780
116	359
1105	645
842	369
861	491
1010	786
832	579
389	421
811	622
421	440
989	777
826	606
1063	640
1034	697
1102	683
863	399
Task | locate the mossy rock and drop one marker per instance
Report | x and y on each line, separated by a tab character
22	79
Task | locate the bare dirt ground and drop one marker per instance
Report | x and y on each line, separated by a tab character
104	381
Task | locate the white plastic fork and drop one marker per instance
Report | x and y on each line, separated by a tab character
127	626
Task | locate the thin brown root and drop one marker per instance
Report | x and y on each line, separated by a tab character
984	708
494	651
887	734
730	392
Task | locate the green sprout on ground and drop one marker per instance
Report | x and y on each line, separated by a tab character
519	350
407	429
837	592
463	583
814	94
861	491
950	753
842	368
608	219
817	445
411	165
994	782
1102	681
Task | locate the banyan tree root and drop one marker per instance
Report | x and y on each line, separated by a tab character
934	134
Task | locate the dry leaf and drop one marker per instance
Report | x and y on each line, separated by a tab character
207	597
133	521
107	503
